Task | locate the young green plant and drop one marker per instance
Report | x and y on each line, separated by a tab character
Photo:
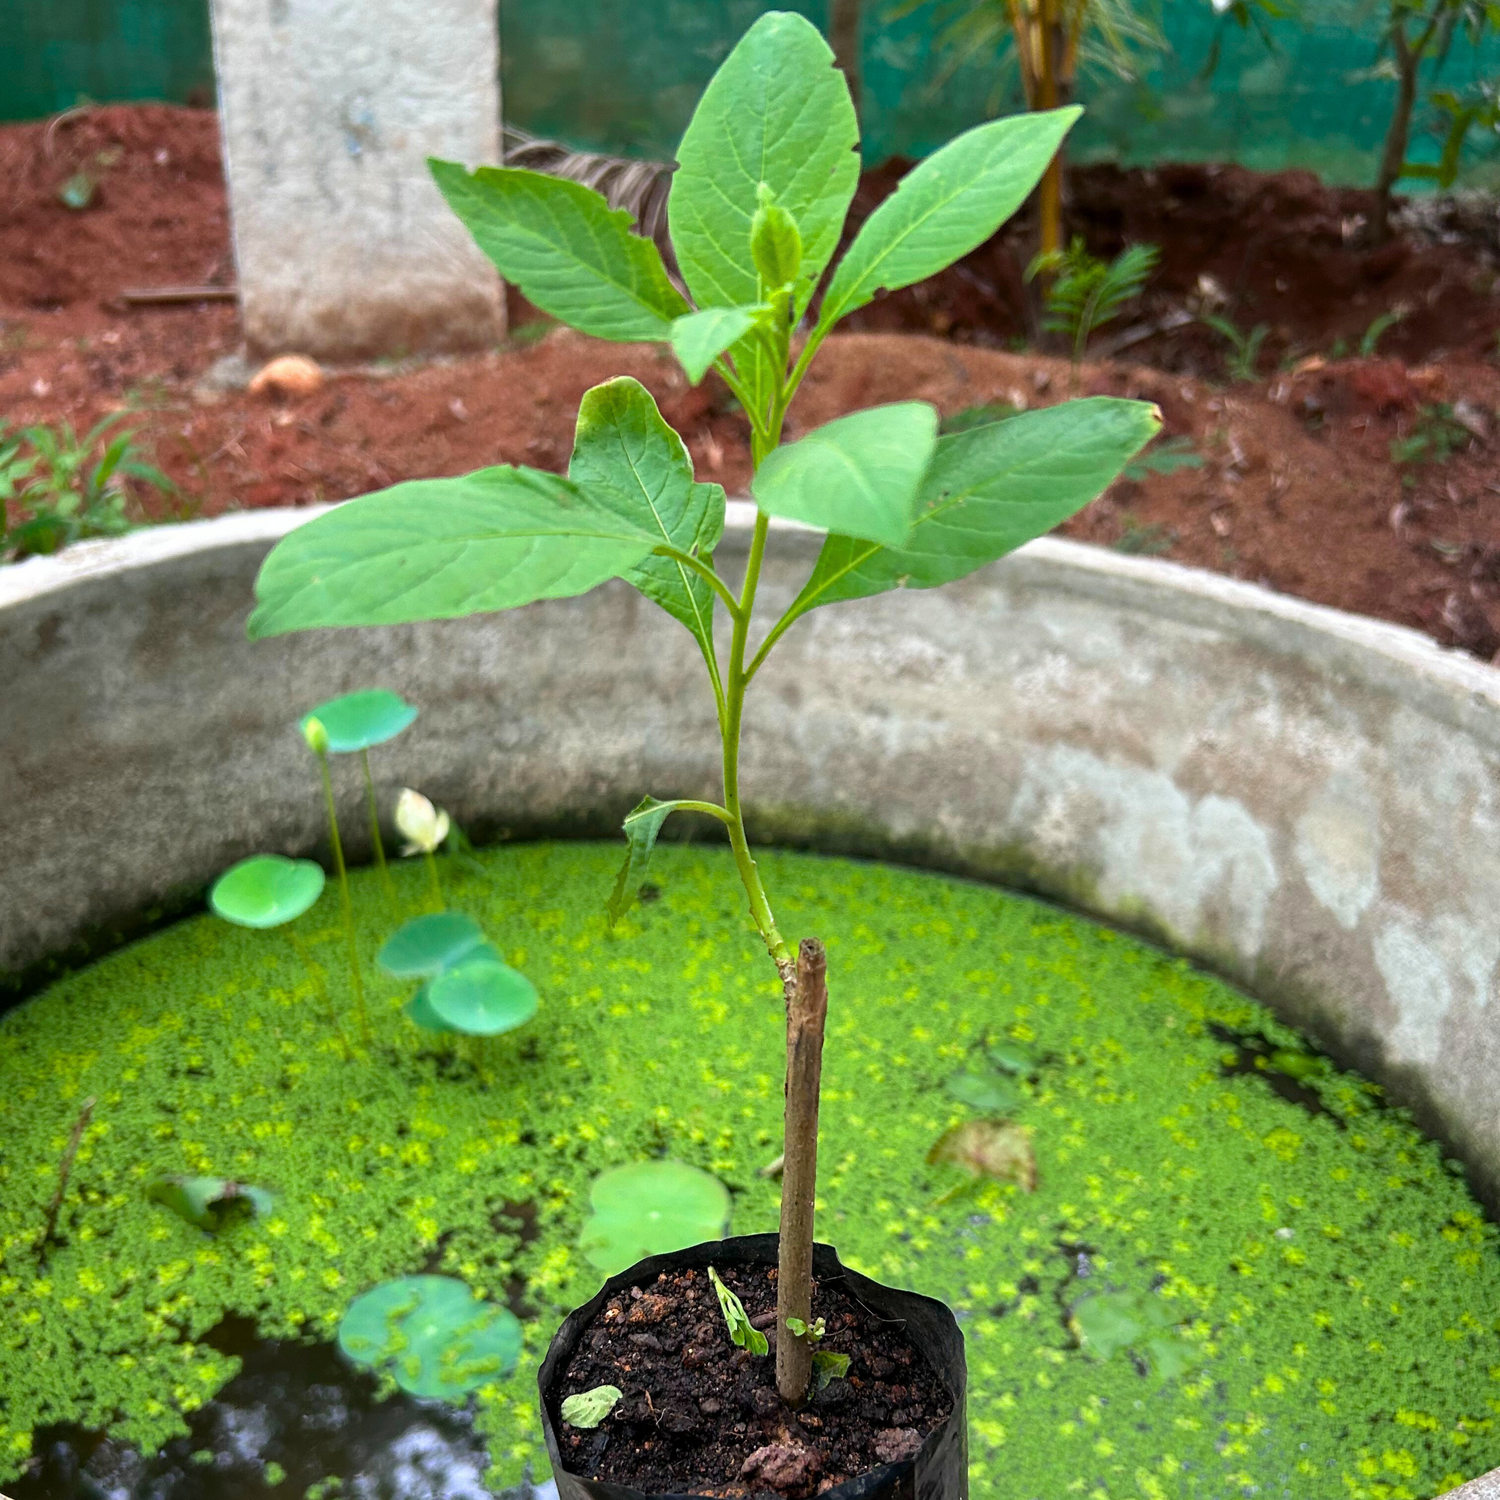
317	741
1086	292
767	170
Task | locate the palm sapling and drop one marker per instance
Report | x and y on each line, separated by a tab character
767	170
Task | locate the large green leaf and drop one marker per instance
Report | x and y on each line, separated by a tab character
777	112
482	998
266	890
988	490
946	206
626	457
436	549
858	474
568	251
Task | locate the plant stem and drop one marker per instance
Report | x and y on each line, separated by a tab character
806	1017
432	876
347	901
315	970
1051	189
375	839
64	1171
1393	157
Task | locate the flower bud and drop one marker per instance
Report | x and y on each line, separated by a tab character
423	826
315	735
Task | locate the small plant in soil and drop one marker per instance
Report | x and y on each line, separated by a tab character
767	170
1085	291
1242	354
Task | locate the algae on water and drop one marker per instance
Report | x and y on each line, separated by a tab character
1328	1290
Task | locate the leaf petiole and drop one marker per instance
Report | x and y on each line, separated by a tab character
702	569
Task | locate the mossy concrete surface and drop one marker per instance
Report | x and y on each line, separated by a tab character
1327	1290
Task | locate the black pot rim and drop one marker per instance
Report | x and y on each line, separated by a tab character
761	1250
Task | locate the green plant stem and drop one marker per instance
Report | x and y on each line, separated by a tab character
375	839
432	876
316	972
347	901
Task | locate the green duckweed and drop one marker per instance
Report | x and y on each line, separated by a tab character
1338	1286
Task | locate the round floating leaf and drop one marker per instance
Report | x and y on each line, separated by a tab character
483	998
589	1408
431	1335
266	890
358	721
991	1092
200	1199
423	947
1010	1057
649	1207
420	1012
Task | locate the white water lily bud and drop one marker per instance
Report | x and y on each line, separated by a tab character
422	825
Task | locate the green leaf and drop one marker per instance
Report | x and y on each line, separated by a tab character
420	1013
567	250
1108	1323
432	1336
360	721
775	243
946	206
589	1408
649	1207
987	491
642	824
627	458
777	112
858	474
994	1094
699	338
266	890
438	549
423	947
482	998
740	1331
200	1200
826	1367
1011	1057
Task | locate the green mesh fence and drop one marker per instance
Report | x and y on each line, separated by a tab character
622	76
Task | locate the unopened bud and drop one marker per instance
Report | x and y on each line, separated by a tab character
315	735
775	243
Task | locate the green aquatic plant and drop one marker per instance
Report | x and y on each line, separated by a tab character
741	1333
423	947
649	1207
1286	1242
354	724
270	890
767	170
432	1336
317	740
1107	1324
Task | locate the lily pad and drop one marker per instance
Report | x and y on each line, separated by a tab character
202	1200
431	1335
1010	1057
1108	1323
423	947
649	1207
266	890
421	1013
483	998
994	1093
989	1148
358	721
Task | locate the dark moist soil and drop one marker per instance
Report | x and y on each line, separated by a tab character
1342	480
700	1416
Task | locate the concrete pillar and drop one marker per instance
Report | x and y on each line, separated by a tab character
329	109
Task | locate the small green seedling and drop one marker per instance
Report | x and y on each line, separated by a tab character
767	170
270	890
1379	327
649	1207
317	740
588	1409
355	724
1088	292
432	1336
814	1330
827	1367
1166	456
1434	438
424	827
740	1331
1244	348
205	1202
